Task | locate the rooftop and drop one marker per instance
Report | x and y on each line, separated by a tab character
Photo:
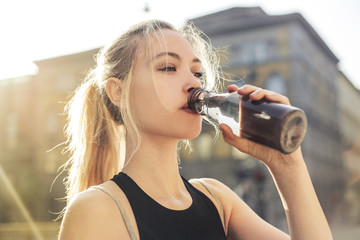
244	18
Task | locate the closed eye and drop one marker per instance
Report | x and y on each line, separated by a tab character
168	69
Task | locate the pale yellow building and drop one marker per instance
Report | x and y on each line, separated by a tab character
349	100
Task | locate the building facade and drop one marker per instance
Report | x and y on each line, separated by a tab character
349	99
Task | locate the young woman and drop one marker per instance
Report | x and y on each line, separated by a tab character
127	120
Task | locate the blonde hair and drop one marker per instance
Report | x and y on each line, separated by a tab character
96	128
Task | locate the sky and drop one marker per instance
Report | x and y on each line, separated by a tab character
32	30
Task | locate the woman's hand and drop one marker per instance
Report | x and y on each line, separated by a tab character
290	174
271	157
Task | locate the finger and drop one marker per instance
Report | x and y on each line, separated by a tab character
247	89
232	88
229	137
278	98
269	95
256	93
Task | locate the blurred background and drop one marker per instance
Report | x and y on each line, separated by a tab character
306	50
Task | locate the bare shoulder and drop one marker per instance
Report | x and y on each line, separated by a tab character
229	199
223	192
227	196
210	187
92	214
241	222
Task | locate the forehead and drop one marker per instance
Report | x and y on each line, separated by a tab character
166	40
169	38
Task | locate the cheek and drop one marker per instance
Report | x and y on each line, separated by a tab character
166	96
146	108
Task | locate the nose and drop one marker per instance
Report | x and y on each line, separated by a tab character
191	83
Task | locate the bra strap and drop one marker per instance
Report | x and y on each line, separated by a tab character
128	225
216	198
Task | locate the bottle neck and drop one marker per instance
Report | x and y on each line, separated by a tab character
196	100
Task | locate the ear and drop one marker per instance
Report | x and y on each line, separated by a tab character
113	90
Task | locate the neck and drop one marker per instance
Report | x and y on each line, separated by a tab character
155	163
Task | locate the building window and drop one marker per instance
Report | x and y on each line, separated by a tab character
260	52
276	83
272	49
249	53
236	50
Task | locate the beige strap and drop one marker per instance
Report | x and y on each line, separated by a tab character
129	227
217	200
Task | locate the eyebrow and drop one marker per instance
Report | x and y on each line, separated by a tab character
174	55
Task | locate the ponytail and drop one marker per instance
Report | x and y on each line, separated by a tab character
94	140
97	129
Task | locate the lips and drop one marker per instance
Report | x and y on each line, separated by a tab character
188	110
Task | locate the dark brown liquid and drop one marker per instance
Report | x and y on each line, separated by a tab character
276	125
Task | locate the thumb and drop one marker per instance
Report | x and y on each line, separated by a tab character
230	138
227	133
242	144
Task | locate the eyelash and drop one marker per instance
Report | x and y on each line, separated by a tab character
198	74
173	69
168	69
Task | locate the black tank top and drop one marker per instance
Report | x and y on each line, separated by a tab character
201	221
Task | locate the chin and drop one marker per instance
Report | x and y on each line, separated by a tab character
191	134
